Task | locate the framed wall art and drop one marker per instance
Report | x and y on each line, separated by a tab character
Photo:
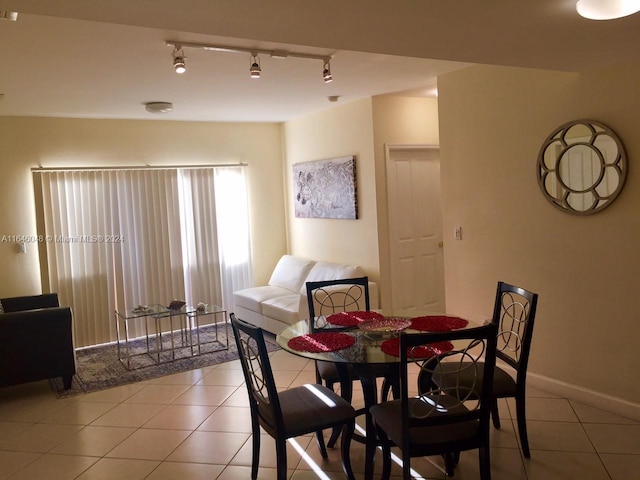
326	188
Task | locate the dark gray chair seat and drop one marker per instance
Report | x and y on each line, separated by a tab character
304	409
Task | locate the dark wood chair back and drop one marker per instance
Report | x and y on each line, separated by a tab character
514	314
333	296
445	420
261	386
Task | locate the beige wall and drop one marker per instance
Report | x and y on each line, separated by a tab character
337	132
492	123
32	142
397	121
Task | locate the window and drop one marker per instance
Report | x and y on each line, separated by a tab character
120	238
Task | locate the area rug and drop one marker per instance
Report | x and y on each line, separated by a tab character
98	367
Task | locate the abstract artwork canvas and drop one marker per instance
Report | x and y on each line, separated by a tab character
326	188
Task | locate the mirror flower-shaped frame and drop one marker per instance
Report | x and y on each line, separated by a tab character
582	167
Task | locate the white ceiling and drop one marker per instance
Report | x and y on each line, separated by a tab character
105	59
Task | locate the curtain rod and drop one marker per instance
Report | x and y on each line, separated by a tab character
141	167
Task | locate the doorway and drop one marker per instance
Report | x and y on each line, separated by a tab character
415	228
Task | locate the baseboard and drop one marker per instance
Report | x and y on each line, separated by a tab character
586	396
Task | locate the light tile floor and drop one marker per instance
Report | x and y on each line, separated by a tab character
196	426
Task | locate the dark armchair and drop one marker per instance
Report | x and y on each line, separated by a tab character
36	340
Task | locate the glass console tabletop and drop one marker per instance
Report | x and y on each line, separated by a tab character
152	334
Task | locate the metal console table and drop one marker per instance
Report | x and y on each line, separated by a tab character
195	318
127	350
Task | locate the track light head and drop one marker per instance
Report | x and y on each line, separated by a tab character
178	64
178	59
255	69
326	72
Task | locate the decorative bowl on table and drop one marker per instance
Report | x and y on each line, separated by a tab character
384	326
176	305
202	307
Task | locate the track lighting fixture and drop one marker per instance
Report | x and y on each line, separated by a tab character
255	69
326	72
178	59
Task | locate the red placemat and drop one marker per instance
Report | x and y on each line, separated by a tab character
438	323
321	342
351	319
392	347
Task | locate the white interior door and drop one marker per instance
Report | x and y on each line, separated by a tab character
415	228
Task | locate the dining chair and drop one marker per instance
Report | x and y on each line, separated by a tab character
328	297
334	296
444	420
514	314
290	413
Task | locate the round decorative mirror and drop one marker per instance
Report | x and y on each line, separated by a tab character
582	167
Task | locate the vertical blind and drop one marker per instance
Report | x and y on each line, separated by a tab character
119	238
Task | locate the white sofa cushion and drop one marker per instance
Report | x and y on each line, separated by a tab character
284	300
290	273
322	271
284	308
252	298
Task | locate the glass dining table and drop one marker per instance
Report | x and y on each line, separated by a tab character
360	341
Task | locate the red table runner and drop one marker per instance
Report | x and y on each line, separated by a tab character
392	347
351	319
438	323
321	342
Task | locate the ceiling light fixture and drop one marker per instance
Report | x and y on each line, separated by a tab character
178	59
158	107
326	72
607	9
255	69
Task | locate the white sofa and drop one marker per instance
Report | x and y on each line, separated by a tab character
283	301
